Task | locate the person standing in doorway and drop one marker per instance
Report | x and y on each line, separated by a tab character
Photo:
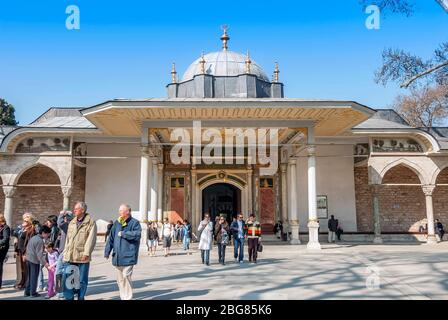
5	235
206	238
167	236
253	237
332	228
238	229
124	242
79	245
34	258
222	238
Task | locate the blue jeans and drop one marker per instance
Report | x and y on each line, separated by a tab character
238	243
41	279
186	242
60	270
69	293
205	255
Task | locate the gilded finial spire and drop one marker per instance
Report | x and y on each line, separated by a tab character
202	63
276	72
248	62
224	37
173	74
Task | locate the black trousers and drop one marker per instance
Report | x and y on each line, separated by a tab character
221	252
253	245
31	281
3	254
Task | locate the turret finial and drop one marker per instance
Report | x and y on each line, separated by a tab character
224	37
276	72
202	63
248	62
173	73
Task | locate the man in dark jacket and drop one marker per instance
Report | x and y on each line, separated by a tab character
124	241
5	235
439	229
238	230
332	228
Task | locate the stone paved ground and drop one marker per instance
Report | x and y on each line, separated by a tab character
340	271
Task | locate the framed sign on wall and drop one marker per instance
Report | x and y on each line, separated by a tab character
322	207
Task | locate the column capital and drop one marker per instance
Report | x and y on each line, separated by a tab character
9	191
311	148
428	189
160	166
283	167
292	161
145	150
67	190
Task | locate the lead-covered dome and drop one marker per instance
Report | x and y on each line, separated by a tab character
224	63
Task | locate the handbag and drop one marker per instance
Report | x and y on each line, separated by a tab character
260	247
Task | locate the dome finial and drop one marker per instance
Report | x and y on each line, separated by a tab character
248	62
173	73
202	63
276	72
224	37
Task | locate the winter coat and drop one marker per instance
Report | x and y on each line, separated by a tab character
153	234
234	229
218	233
5	235
125	248
35	250
206	229
80	240
63	228
333	225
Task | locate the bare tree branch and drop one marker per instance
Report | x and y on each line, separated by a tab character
422	74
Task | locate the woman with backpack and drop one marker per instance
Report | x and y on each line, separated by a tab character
222	231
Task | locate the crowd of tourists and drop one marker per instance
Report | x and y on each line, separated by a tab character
63	246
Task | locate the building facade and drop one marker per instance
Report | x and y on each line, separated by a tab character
299	161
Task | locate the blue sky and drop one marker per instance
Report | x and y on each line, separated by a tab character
124	49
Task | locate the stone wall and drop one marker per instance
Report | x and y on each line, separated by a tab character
2	198
40	201
44	201
440	198
402	208
79	186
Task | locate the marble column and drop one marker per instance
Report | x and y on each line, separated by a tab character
376	214
144	183
294	212
67	192
9	203
428	191
284	215
154	190
313	224
194	194
249	191
160	194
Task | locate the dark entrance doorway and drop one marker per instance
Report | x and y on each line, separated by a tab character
221	198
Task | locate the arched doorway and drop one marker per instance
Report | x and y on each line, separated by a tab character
221	198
